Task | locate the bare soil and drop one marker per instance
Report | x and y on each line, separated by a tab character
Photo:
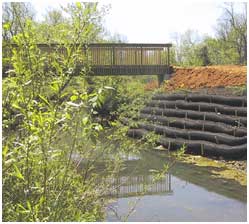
206	77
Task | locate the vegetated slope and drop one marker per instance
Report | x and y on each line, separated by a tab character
211	125
206	77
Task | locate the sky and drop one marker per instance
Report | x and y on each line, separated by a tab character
156	21
152	21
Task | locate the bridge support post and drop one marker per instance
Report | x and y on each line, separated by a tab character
161	78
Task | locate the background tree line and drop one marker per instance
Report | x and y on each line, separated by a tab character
229	46
56	20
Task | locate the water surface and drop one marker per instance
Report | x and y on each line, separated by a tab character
185	193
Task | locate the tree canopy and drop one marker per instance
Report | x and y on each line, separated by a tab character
229	46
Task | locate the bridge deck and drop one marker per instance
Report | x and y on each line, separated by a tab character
100	70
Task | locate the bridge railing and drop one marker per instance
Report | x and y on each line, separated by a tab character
129	59
129	54
120	58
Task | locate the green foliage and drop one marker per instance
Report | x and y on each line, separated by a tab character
220	52
151	138
238	90
44	126
49	119
179	153
228	47
125	98
81	22
232	31
187	48
49	126
11	12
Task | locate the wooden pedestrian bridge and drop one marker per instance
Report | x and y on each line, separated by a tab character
115	59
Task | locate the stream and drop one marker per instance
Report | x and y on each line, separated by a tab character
186	193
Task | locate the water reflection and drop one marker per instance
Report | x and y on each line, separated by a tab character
187	193
127	186
188	173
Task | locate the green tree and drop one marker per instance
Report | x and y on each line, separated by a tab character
46	123
187	48
232	29
204	56
219	52
54	17
228	47
11	10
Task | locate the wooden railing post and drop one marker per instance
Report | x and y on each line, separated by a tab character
168	61
166	76
135	56
113	55
141	55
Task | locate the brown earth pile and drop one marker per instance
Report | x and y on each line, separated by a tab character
206	77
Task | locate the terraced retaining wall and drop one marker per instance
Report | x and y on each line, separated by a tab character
209	125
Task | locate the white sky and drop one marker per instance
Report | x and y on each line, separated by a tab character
155	21
152	21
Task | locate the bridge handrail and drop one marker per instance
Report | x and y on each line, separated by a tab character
153	45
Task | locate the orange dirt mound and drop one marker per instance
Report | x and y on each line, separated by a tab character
206	77
151	85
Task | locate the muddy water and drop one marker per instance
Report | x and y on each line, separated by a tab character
185	193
